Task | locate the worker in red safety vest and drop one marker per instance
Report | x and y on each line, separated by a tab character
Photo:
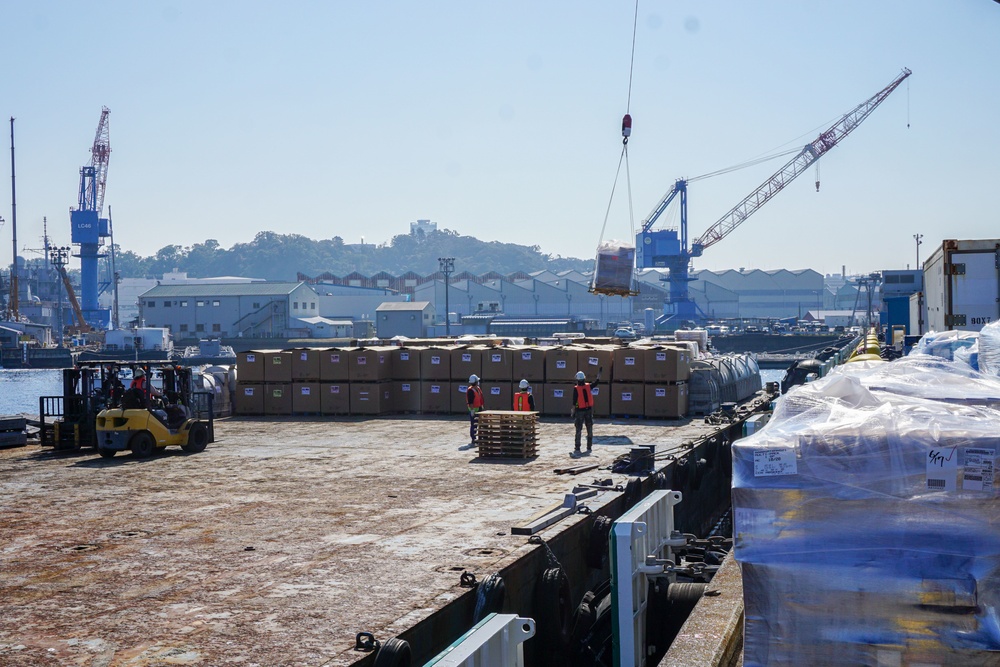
583	410
523	400
139	382
476	404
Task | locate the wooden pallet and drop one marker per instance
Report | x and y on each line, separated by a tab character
506	433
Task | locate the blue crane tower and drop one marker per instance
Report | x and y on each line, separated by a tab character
664	248
88	228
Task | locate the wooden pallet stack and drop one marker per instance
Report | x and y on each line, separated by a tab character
509	434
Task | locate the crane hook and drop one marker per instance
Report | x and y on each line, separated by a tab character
626	128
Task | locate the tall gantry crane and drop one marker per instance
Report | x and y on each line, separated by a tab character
88	228
664	249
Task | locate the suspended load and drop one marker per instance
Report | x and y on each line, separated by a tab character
615	274
626	128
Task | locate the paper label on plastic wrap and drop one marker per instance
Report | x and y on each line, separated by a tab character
979	468
942	469
772	462
754	522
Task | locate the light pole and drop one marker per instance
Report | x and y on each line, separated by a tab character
917	238
446	265
60	257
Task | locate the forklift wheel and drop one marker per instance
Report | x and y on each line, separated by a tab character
106	453
142	444
197	438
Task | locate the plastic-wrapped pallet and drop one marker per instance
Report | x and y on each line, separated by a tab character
867	526
615	269
989	349
944	343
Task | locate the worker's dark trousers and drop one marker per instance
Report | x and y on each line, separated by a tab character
472	425
584	416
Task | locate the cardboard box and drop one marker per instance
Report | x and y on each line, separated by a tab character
628	365
560	364
498	395
558	399
529	364
278	398
459	398
370	398
277	367
435	364
334	364
370	364
669	401
406	364
602	400
498	364
305	364
305	397
435	396
594	360
249	398
335	398
250	366
627	399
466	361
406	395
667	364
538	391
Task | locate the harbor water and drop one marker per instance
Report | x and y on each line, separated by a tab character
20	389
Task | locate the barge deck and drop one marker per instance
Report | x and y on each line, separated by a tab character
286	538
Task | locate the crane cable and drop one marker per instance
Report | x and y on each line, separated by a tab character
623	158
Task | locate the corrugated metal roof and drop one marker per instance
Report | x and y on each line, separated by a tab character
221	289
403	305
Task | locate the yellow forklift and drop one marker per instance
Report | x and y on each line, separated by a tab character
147	420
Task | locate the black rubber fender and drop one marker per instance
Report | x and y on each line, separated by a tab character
554	612
489	597
633	492
597	543
393	653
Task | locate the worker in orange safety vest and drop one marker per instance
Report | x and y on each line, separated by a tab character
523	400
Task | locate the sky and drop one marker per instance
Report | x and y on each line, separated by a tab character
501	120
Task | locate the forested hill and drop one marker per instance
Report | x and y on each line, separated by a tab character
282	256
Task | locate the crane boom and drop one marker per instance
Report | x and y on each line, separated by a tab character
81	323
793	168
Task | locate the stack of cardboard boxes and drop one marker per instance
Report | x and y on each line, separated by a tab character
650	381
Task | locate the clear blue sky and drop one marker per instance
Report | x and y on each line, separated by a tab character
501	120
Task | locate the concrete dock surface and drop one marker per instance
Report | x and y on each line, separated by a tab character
277	544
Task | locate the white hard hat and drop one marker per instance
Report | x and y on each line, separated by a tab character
523	384
473	379
580	375
139	373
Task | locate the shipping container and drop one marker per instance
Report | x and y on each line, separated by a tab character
962	285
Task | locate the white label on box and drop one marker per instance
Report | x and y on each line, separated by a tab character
979	468
404	356
626	396
362	361
303	356
630	361
435	389
334	358
276	360
248	391
462	388
466	357
305	391
661	356
405	386
942	468
278	393
595	390
251	358
526	356
557	393
381	359
560	363
661	391
435	360
593	361
495	391
496	358
772	462
334	388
